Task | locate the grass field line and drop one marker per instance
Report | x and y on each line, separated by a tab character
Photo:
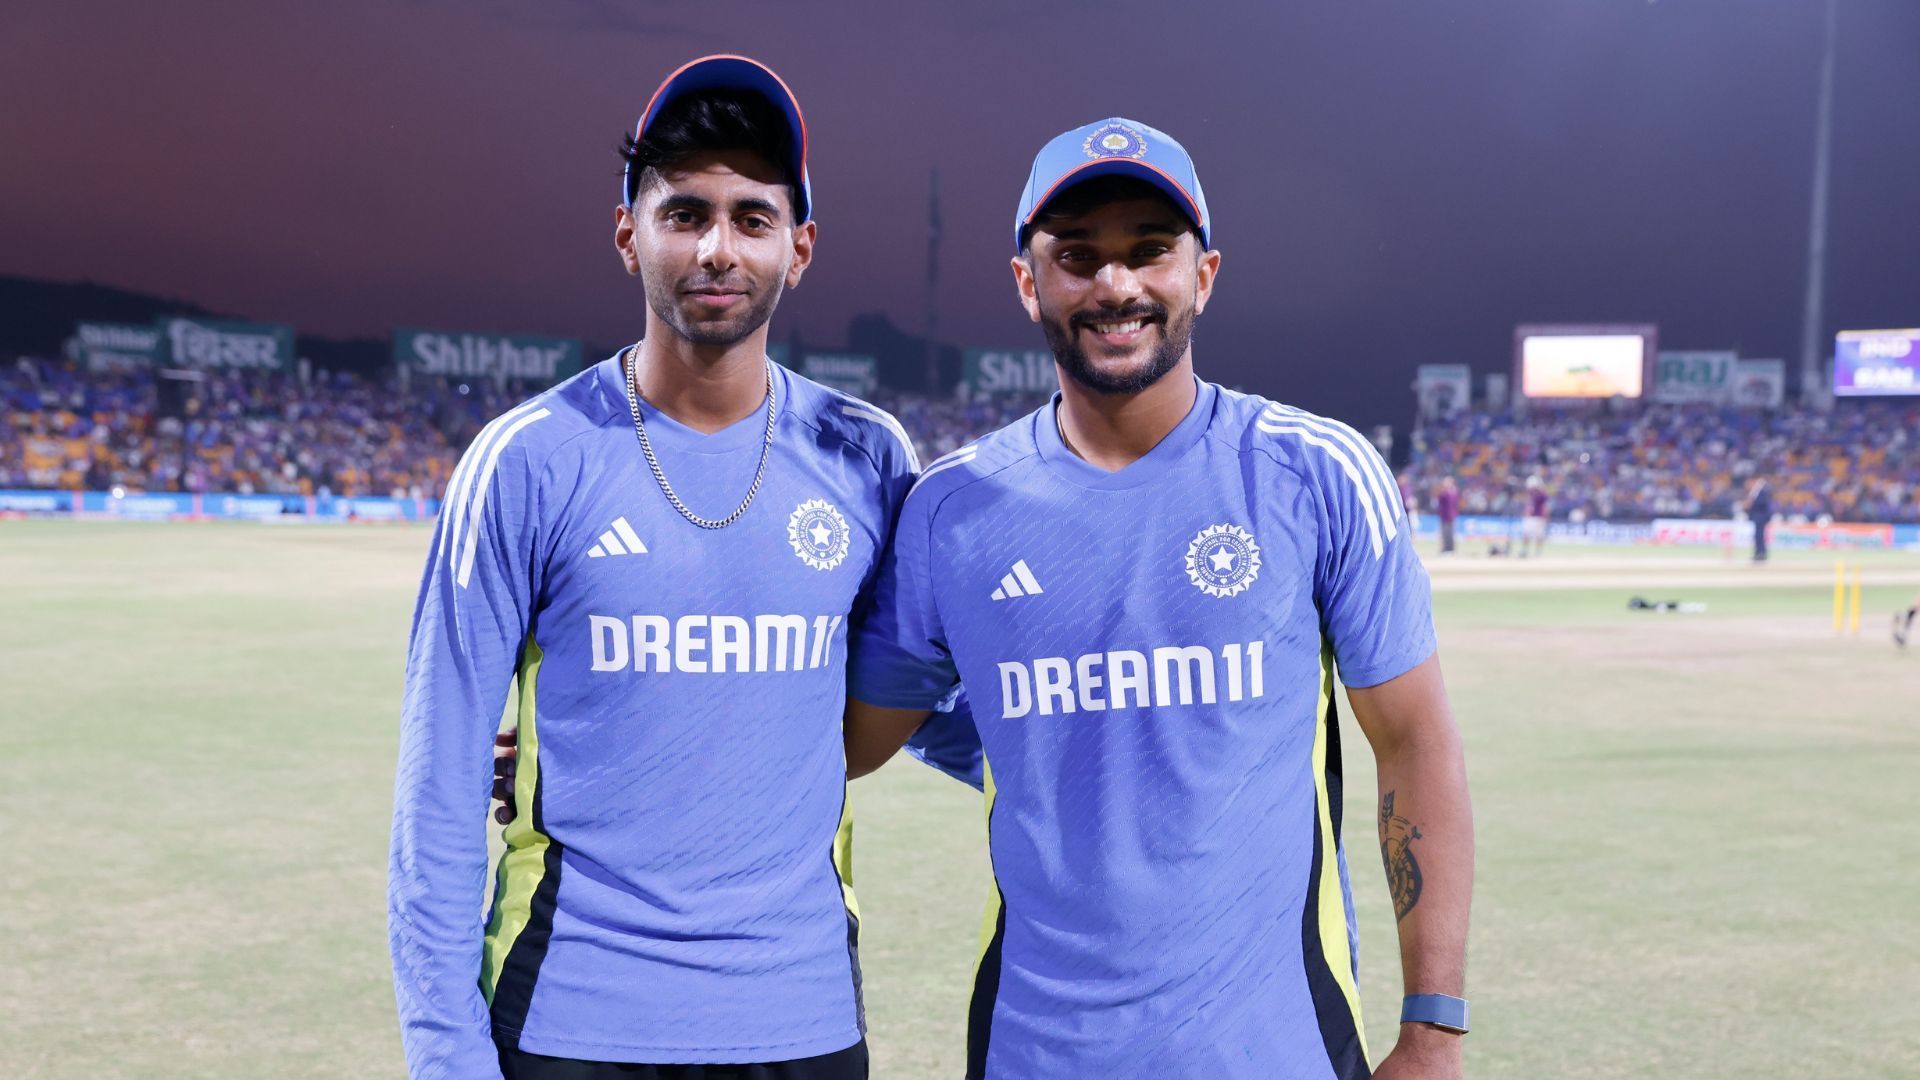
1727	579
1591	559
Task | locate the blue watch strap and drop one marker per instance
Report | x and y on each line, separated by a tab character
1443	1011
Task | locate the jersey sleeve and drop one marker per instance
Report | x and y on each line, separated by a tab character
469	625
899	657
947	741
1376	605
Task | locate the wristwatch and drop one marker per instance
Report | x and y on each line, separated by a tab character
1443	1011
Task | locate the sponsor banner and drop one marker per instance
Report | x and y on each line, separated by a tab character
1906	537
1702	532
1488	526
849	373
1720	532
228	346
1583	361
1759	384
1443	389
36	502
1009	371
1836	535
1687	377
168	505
1870	363
372	509
1485	525
458	355
157	506
252	506
1599	532
368	508
116	346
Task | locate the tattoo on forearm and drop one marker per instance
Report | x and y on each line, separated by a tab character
1397	835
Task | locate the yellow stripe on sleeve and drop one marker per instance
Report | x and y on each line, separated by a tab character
1333	910
524	863
991	919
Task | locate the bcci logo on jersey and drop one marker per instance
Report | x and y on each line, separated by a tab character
1223	560
819	534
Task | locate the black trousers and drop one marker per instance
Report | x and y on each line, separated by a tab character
848	1064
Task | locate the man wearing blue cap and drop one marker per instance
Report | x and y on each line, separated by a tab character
664	551
1147	587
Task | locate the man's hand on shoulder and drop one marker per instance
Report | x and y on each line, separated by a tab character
1423	1053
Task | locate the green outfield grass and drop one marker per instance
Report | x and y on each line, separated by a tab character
1698	852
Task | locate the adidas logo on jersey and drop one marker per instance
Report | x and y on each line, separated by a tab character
1018	582
619	540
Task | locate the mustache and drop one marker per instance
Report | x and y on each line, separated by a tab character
1140	310
728	284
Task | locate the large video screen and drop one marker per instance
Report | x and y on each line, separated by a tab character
1874	362
1583	361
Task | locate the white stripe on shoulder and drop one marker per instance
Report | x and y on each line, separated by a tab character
460	485
957	457
484	480
1385	491
879	416
1333	449
1363	448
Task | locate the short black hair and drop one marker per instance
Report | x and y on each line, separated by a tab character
1088	194
706	121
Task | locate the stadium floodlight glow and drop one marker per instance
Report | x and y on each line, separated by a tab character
1586	361
1876	363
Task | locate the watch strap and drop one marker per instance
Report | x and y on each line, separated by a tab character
1443	1011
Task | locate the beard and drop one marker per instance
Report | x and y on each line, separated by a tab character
1175	332
663	296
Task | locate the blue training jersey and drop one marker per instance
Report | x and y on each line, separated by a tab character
670	891
1150	657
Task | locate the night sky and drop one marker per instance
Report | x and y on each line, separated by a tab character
1393	182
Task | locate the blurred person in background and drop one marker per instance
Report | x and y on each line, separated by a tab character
1533	527
1446	508
1759	508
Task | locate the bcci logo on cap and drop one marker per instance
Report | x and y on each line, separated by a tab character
819	534
1223	560
1115	140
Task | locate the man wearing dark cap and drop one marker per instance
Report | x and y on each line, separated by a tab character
662	553
1148	587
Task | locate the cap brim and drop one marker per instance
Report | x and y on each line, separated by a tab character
1139	170
729	72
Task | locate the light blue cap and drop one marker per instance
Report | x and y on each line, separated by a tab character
1114	146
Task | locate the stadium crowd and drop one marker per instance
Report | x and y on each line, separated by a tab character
1860	461
941	425
249	433
345	434
267	433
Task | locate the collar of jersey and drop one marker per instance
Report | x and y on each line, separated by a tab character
1151	466
668	434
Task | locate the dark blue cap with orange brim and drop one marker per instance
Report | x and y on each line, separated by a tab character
727	72
1115	146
